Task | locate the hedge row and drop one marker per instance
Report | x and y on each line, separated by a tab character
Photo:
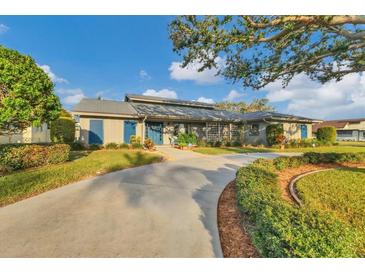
280	230
14	157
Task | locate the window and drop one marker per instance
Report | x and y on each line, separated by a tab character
344	133
254	130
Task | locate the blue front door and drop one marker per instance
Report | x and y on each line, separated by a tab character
129	130
304	132
154	132
96	132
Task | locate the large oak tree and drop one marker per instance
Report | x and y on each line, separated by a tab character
259	50
26	93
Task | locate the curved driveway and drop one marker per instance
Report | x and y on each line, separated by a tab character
160	210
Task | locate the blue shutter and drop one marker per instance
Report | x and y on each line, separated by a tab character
96	132
304	131
129	130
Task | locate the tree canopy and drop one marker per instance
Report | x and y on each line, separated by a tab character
26	93
259	50
242	107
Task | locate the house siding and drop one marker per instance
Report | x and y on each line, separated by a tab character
29	135
113	129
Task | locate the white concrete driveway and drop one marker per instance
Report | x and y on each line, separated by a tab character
160	210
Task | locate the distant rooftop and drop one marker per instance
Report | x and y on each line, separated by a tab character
339	124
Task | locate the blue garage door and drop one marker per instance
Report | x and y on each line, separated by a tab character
96	132
304	131
129	130
154	132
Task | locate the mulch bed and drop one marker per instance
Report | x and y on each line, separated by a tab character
235	241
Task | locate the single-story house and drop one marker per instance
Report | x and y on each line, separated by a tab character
347	130
161	119
29	135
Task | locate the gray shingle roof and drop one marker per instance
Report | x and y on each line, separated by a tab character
183	111
137	98
105	106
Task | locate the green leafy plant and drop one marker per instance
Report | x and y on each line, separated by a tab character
123	146
95	147
26	94
135	142
184	139
112	145
272	133
281	230
27	156
62	130
326	135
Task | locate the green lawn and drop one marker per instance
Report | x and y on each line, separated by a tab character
340	192
342	147
22	184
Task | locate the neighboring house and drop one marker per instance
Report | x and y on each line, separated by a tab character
30	135
161	119
347	130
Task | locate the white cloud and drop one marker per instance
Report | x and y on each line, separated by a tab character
332	100
206	100
233	95
165	93
3	28
143	75
52	75
191	72
70	96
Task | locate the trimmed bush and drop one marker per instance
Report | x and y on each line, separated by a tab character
95	147
63	130
326	135
272	133
26	156
280	230
112	146
77	146
123	146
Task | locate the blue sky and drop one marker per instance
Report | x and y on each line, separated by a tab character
108	56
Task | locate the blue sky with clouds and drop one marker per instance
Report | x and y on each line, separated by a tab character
108	56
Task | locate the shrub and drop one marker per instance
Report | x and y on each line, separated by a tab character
326	135
218	144
26	156
134	140
265	164
281	230
58	153
236	143
95	147
272	133
137	145
111	145
76	146
148	143
184	139
201	143
123	146
62	130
